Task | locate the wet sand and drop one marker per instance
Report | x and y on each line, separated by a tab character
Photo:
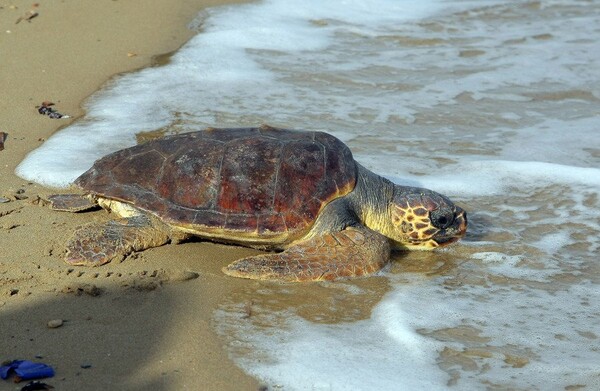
144	323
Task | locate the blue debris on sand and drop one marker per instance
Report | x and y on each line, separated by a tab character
26	370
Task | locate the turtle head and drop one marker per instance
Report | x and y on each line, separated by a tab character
423	219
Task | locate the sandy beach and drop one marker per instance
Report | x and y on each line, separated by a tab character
139	325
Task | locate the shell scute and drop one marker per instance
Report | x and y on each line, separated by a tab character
301	175
208	218
239	222
191	175
271	223
248	176
150	161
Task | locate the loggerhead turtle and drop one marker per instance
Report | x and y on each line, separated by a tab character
267	188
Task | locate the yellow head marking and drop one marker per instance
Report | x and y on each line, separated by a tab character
422	219
413	227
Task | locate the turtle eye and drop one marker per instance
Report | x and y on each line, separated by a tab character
441	218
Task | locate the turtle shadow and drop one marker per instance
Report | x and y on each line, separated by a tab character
101	344
124	339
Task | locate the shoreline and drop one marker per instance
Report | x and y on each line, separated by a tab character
145	323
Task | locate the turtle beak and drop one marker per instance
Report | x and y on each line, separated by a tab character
456	231
461	218
463	226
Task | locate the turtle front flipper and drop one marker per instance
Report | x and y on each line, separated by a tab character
96	244
353	252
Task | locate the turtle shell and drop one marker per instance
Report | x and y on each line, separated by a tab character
263	185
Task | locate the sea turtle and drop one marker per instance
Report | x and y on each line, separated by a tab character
272	189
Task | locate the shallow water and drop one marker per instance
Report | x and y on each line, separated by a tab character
495	105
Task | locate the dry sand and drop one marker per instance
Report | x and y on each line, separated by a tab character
141	324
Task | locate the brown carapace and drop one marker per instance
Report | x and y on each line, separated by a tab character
296	192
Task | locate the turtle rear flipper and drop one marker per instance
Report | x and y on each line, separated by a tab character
353	252
71	203
96	244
